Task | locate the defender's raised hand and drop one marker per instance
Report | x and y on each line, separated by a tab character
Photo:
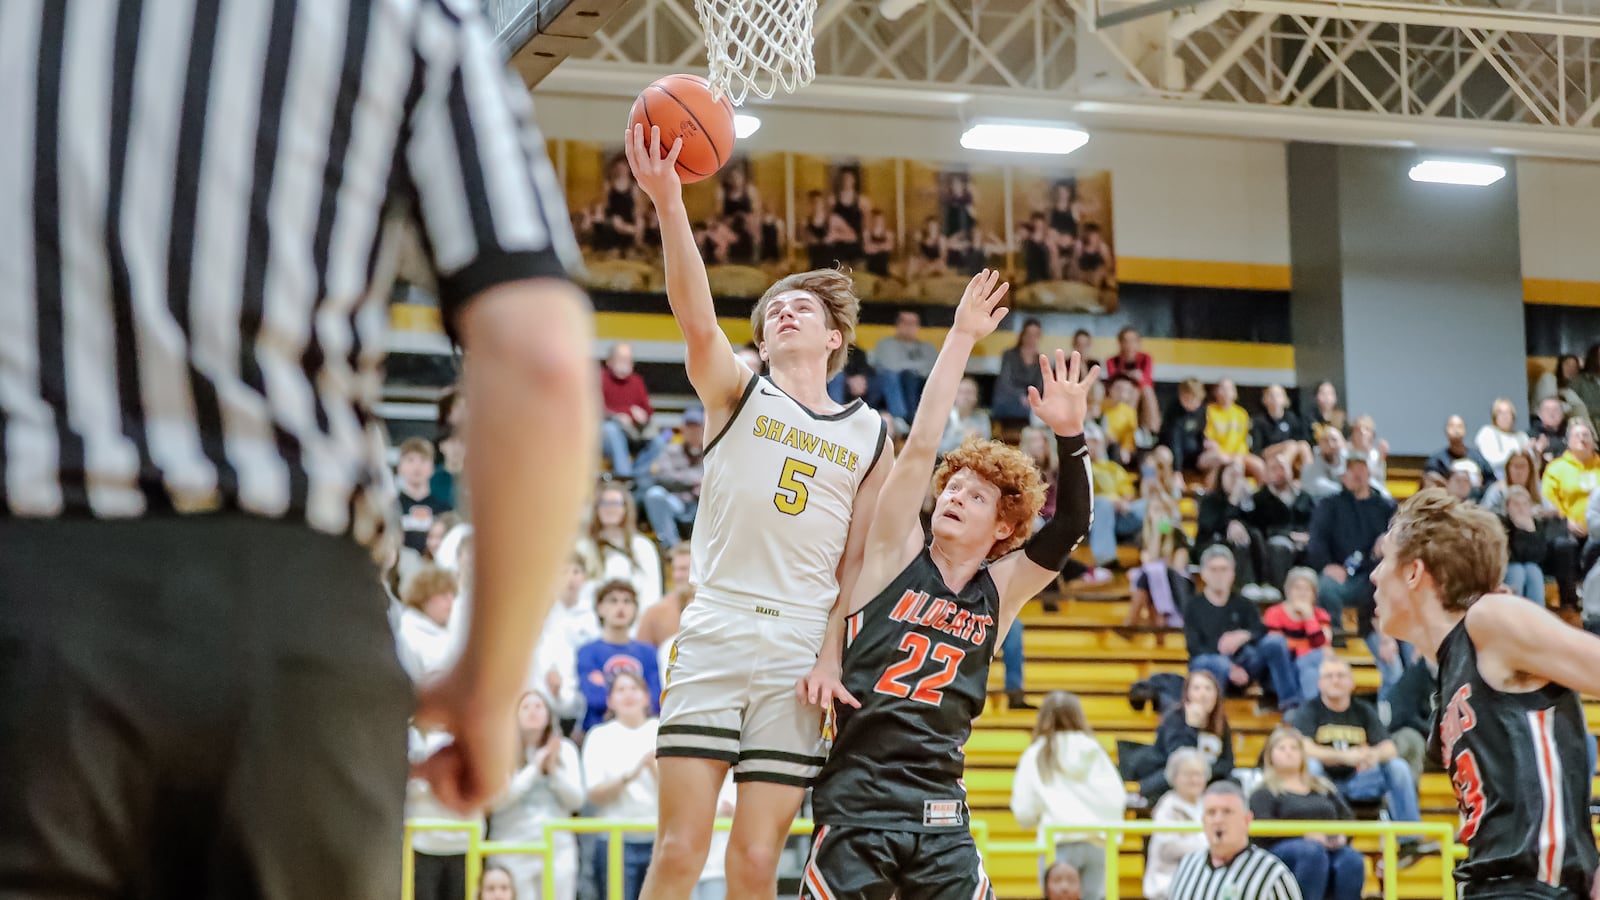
1065	401
980	312
657	176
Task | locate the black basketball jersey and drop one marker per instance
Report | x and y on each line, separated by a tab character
1520	767
917	658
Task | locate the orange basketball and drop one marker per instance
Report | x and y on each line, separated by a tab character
681	106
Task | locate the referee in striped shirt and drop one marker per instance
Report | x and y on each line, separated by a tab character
199	203
1230	868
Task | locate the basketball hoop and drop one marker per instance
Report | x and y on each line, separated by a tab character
757	46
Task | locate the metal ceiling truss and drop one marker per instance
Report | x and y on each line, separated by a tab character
1524	74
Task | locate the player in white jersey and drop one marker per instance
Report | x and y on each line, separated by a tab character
790	481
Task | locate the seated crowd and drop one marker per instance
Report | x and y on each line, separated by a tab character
1289	507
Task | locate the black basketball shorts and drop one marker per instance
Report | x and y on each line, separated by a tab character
850	863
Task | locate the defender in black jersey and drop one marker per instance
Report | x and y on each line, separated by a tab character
923	624
1509	723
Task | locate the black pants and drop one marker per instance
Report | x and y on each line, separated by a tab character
440	877
196	708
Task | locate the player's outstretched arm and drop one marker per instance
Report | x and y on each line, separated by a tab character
1021	574
718	376
894	536
1532	641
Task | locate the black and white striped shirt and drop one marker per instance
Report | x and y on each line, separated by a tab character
1254	874
199	201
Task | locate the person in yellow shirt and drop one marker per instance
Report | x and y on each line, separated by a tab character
1568	482
1121	417
1228	433
1118	509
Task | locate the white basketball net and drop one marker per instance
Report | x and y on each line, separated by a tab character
757	45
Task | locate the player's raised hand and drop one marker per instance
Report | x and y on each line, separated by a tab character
1064	404
980	312
657	175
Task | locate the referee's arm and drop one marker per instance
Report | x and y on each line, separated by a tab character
496	229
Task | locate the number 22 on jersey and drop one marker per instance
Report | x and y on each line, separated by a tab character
918	648
793	494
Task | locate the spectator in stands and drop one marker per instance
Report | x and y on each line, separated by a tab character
1065	778
1062	881
1118	509
619	766
1183	425
1586	384
1557	385
1187	771
1568	481
1131	360
546	786
1160	472
1019	370
1521	470
1280	514
616	606
1499	439
1278	430
1228	433
627	408
1411	714
442	524
1120	414
1348	744
1324	475
440	856
1083	344
1230	868
429	596
903	361
1305	626
496	884
451	426
418	505
659	624
1225	636
1324	865
1549	432
1199	723
1444	460
1364	440
614	548
1342	545
672	501
1222	515
858	380
1527	546
571	624
1328	414
1160	591
967	418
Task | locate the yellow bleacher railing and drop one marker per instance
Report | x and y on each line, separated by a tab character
1388	834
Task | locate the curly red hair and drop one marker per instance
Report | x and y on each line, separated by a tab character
1007	468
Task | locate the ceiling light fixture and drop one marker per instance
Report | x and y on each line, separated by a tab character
1444	171
745	125
1020	138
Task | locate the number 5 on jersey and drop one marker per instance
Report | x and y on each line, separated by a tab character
792	492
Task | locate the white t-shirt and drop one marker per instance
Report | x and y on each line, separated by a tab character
428	648
421	804
610	751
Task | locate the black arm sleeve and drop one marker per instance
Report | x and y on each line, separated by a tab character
1051	545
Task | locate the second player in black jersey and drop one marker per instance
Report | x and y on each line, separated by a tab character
1509	723
924	620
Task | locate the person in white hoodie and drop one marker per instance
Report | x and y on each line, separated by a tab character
570	625
430	644
1188	770
440	857
1066	778
547	787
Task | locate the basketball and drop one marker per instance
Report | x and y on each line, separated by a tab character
682	106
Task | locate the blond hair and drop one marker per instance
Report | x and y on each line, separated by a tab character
427	583
834	290
1272	781
1462	546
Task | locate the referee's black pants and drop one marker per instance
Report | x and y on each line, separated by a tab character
196	708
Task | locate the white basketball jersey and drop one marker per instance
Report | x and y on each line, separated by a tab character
780	484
